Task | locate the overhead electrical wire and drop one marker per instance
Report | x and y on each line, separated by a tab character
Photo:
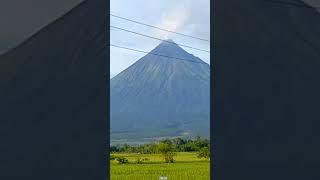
152	37
156	27
156	54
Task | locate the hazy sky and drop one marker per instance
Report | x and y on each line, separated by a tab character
190	17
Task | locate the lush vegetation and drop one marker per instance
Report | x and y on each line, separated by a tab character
177	144
174	158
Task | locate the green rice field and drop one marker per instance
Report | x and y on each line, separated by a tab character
186	166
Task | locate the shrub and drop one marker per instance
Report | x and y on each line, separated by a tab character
122	160
168	157
141	160
204	153
145	159
112	157
167	150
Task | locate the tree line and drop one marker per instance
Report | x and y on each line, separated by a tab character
178	145
168	147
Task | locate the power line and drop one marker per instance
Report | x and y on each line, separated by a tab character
158	39
156	54
299	5
134	21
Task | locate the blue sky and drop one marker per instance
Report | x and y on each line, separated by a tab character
190	17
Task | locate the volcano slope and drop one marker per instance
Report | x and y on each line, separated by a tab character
161	96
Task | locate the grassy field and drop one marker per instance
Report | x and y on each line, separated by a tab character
187	166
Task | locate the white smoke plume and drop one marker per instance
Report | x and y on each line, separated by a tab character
173	20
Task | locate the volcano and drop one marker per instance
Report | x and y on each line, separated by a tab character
165	93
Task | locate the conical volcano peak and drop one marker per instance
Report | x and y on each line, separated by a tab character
169	47
173	51
170	40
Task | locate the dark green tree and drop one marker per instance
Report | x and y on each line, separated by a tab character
204	153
